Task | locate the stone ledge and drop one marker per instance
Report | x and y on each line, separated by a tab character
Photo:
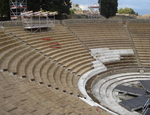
10	23
17	23
72	21
138	20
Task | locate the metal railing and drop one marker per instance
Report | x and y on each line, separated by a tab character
146	107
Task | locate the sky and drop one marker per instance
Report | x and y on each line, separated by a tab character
140	6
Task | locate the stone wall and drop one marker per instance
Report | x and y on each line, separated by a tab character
10	23
85	16
71	21
123	17
138	21
77	16
17	23
57	21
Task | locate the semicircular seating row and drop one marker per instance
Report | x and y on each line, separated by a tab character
103	89
140	33
105	35
27	56
55	67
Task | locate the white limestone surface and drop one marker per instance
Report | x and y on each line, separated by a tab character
82	82
107	56
102	55
103	90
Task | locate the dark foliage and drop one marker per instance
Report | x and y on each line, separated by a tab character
33	5
4	8
108	8
62	6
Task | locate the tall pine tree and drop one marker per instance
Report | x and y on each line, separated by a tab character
108	8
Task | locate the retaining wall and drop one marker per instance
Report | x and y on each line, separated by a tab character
138	20
17	23
71	21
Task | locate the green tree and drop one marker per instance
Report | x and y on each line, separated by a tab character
33	5
108	8
72	12
126	11
137	13
4	8
77	5
120	11
62	6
